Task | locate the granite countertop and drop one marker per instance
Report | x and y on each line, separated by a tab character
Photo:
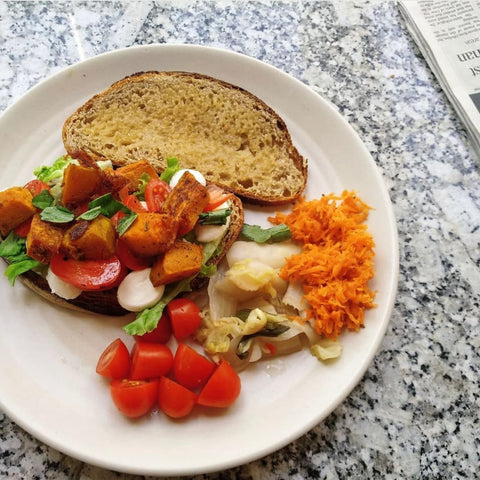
414	414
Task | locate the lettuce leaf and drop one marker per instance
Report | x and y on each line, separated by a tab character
47	174
147	320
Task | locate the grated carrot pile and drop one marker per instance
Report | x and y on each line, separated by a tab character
336	262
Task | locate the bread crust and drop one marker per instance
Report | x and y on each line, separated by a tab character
281	181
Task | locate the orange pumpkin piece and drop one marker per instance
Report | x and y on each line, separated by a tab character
43	239
79	183
180	261
15	207
151	234
134	171
186	202
93	240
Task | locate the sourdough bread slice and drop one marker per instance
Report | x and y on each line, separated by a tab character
105	302
231	136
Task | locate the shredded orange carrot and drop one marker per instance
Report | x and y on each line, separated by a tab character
336	262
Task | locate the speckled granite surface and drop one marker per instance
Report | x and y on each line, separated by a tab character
415	413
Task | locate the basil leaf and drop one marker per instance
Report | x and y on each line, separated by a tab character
280	232
125	222
108	205
255	233
91	214
12	245
215	217
43	200
16	269
172	167
57	215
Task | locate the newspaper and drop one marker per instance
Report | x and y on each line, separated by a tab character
447	33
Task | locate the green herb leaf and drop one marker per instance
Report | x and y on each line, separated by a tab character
207	270
91	214
172	167
125	222
57	215
12	245
16	269
142	183
43	200
271	329
215	217
255	233
108	205
46	174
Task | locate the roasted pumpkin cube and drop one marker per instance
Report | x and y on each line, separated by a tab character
180	261
92	240
79	183
186	202
15	207
151	234
134	171
43	239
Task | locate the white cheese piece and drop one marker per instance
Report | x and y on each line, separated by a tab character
136	292
61	288
212	233
178	175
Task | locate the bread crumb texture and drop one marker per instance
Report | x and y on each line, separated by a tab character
228	134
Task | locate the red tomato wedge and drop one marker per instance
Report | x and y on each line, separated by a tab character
216	196
174	399
88	274
36	186
222	388
156	192
150	360
114	362
184	317
133	203
191	369
129	259
161	334
134	398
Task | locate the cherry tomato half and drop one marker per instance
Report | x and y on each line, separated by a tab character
150	360
184	317
216	196
134	398
161	334
114	362
156	192
191	369
88	274
134	204
36	186
222	388
174	399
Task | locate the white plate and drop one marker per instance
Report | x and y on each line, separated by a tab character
48	355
